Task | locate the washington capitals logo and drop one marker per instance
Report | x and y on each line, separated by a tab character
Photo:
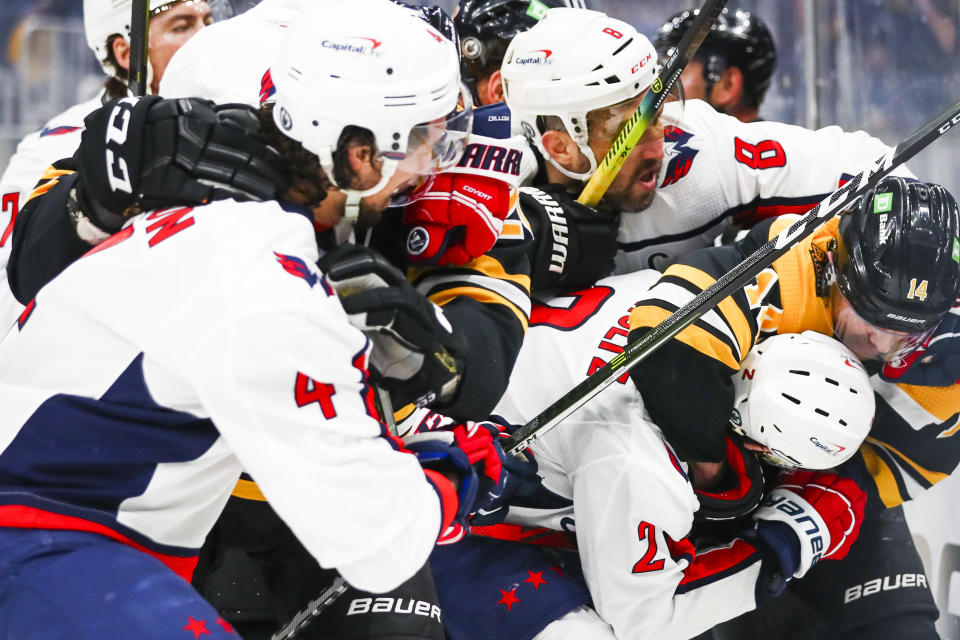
267	88
297	267
58	131
681	156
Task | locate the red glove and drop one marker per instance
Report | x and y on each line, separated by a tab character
457	218
824	511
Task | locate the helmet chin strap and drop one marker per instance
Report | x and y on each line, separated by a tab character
354	196
584	149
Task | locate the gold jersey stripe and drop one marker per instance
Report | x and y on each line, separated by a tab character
941	402
484	265
50	174
729	310
883	477
248	490
480	295
693	336
933	477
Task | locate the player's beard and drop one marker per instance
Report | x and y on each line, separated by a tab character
638	193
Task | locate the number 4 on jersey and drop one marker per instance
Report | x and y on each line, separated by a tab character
306	391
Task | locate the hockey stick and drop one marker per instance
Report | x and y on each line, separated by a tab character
733	280
139	47
650	105
313	609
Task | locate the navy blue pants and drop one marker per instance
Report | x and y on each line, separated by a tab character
83	586
497	589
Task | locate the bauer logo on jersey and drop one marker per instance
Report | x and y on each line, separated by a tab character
357	45
537	56
297	267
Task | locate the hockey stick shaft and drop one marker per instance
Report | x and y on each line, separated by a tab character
650	105
732	281
313	609
139	47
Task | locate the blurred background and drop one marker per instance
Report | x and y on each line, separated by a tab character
886	66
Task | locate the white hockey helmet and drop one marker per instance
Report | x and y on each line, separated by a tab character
104	18
572	62
804	396
376	65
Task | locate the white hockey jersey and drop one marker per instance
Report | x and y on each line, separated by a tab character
616	482
717	169
195	343
58	139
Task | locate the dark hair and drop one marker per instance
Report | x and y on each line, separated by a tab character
116	84
307	184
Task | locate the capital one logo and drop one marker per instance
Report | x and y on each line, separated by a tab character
537	56
357	45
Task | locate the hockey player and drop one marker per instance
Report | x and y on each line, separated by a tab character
733	66
219	346
734	172
880	278
611	479
485	299
107	26
106	23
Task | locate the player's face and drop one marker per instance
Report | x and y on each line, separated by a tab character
169	31
635	186
868	341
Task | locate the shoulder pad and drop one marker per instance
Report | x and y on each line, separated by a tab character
492	121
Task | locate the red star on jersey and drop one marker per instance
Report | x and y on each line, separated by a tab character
226	625
536	579
509	598
558	570
198	627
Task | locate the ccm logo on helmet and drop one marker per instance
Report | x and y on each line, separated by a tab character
642	63
361	49
394	605
538	56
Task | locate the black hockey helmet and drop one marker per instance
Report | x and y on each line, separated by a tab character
486	27
897	260
737	39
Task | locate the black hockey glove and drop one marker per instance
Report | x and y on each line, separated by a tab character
416	355
574	244
149	153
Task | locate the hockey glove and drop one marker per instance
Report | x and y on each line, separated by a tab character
441	459
574	245
810	516
149	153
500	476
416	355
935	363
741	489
456	219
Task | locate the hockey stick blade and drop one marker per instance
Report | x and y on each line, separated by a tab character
139	47
313	609
650	105
734	279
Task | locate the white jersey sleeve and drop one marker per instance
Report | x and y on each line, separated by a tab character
58	139
718	170
211	316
